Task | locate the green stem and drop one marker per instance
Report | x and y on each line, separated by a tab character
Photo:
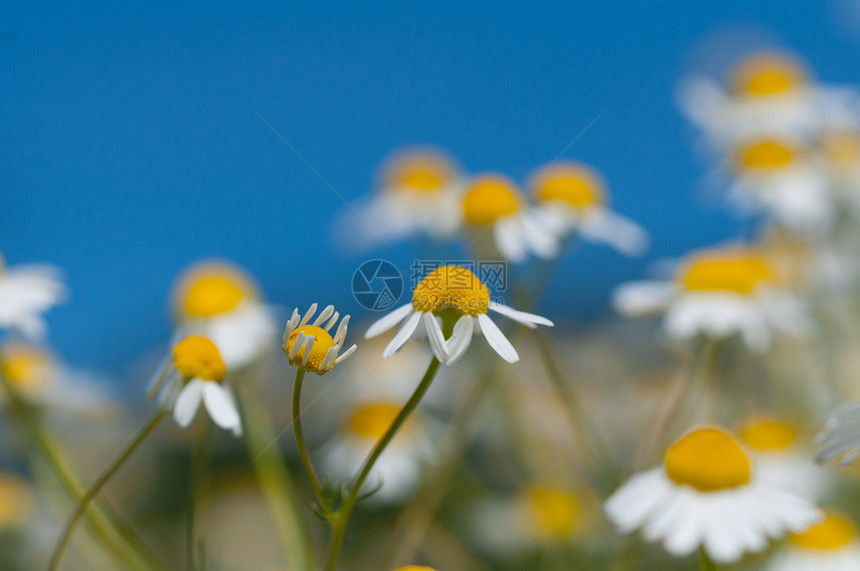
340	522
276	484
302	444
97	485
705	561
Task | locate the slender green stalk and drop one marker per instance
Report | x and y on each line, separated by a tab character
99	482
115	534
342	517
705	561
302	444
197	490
276	484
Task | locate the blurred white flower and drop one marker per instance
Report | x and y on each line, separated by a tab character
709	493
830	545
719	293
26	292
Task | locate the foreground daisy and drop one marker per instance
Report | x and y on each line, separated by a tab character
831	544
708	493
781	458
841	436
196	374
26	292
492	203
719	293
417	194
220	301
400	469
572	197
310	345
452	299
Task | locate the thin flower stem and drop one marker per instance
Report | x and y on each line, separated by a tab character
340	522
276	483
116	535
302	444
705	561
99	482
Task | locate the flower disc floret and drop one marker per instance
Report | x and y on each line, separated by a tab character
769	435
419	172
833	532
489	198
709	460
578	186
198	357
322	342
765	75
372	420
554	511
451	287
765	155
738	272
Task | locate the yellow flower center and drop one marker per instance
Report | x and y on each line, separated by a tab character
26	367
842	150
451	287
198	357
765	155
489	198
16	500
736	271
372	420
414	568
708	459
765	75
419	172
322	343
554	511
577	185
834	532
769	435
212	288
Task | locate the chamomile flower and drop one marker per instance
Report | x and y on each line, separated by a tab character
26	292
572	197
781	177
841	436
831	544
492	202
400	468
310	345
780	458
719	293
452	303
220	301
766	92
17	500
708	492
28	368
193	375
417	194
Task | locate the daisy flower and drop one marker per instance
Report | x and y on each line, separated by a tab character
782	177
492	202
220	301
766	91
841	436
454	300
30	369
195	374
831	544
719	293
708	492
26	292
417	193
400	468
310	345
572	197
781	459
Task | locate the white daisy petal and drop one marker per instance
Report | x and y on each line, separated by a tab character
460	339
387	322
188	402
220	405
497	339
403	335
436	337
530	320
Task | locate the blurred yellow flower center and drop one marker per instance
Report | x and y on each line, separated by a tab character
833	532
198	357
738	272
766	75
26	367
555	512
423	173
767	155
708	460
212	295
372	420
451	287
577	186
488	199
322	343
769	435
414	568
16	500
842	149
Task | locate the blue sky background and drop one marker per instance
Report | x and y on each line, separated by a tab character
130	147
